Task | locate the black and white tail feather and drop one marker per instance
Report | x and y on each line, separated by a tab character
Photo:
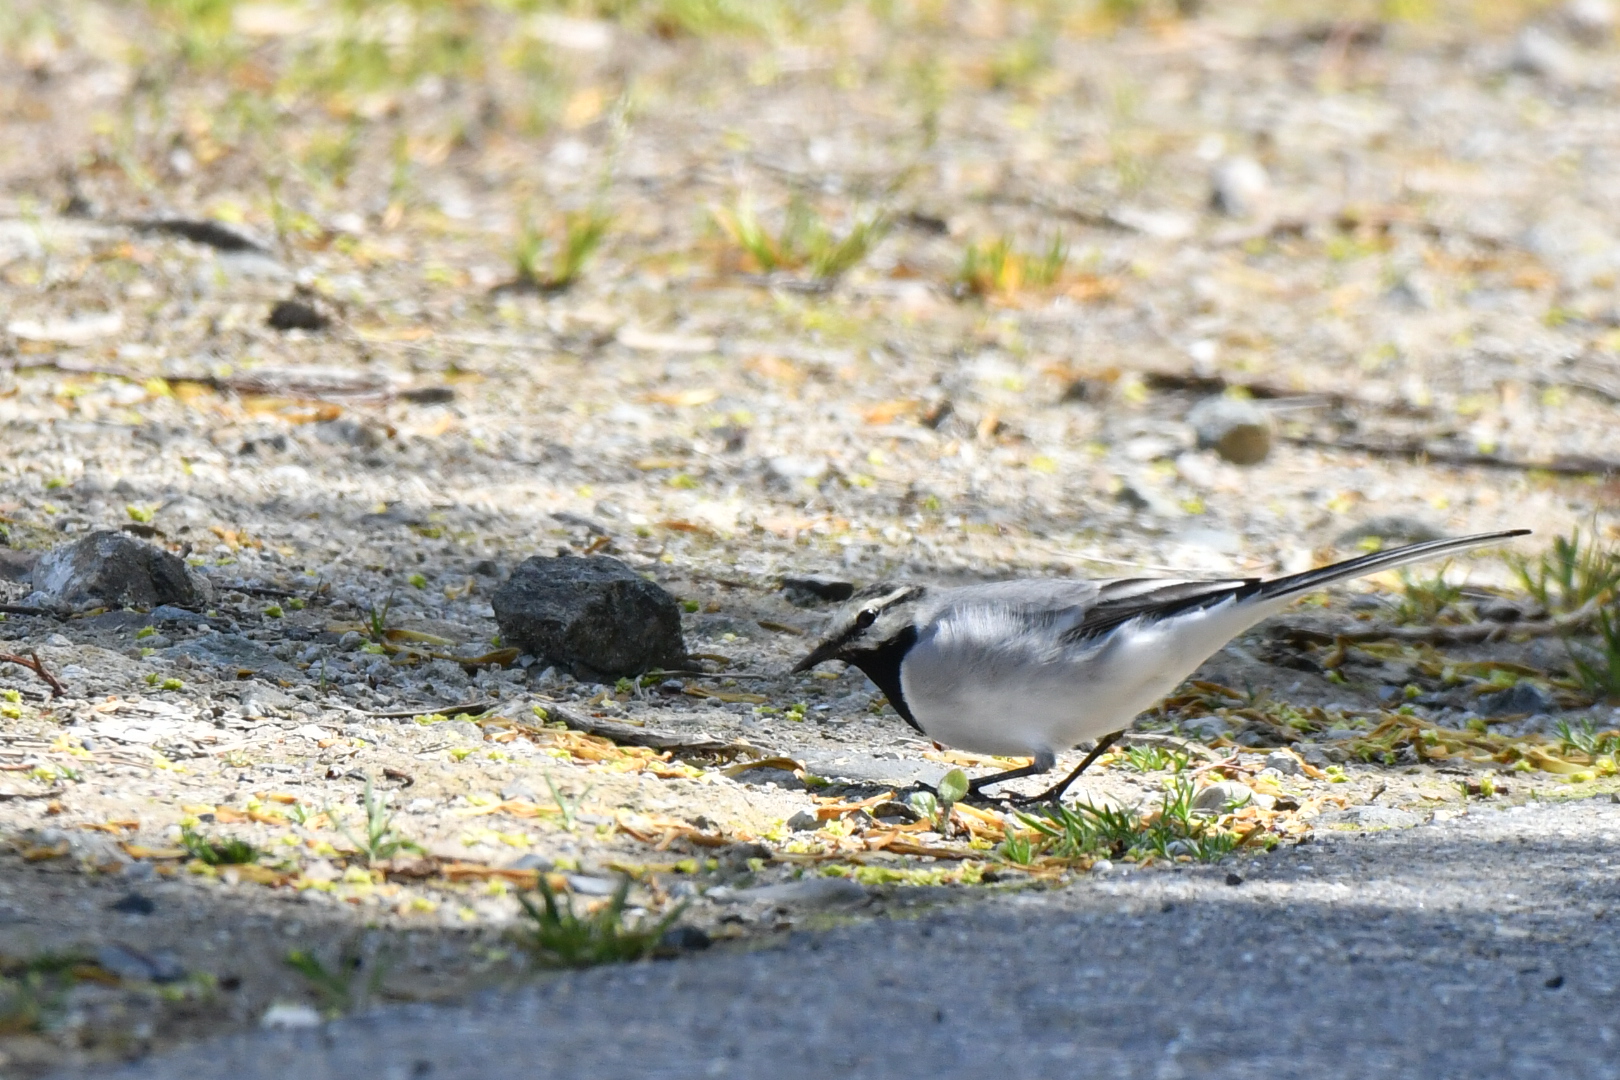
1034	667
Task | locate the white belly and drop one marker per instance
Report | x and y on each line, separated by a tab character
986	690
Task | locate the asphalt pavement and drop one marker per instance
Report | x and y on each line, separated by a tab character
1478	946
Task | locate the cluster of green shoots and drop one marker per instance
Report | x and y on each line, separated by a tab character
1171	831
997	268
224	851
804	240
559	936
1579	577
582	232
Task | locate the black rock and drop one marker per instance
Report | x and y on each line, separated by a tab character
684	939
807	591
133	965
1517	700
594	616
297	315
134	904
111	569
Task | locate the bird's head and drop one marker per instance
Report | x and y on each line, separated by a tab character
870	621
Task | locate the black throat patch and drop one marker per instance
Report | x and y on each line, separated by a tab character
882	666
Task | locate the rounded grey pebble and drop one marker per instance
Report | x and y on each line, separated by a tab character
1217	797
1237	430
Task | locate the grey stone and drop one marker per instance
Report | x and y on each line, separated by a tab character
519	789
585	885
236	654
804	821
17	566
806	892
346	432
111	569
1373	817
1217	797
259	701
1237	430
867	768
135	966
1205	728
594	615
531	861
285	1015
1239	187
1285	763
1536	52
1590	21
1520	698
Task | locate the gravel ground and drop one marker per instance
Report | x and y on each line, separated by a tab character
1396	237
1480	946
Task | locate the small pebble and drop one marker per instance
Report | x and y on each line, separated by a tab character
804	821
1217	797
1239	187
134	904
284	1014
1237	430
1234	879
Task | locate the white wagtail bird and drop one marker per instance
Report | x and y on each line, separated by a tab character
1032	668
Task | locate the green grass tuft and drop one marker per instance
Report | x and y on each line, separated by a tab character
561	937
1171	831
229	851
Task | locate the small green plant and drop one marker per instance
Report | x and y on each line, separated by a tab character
377	620
1170	832
1586	738
230	851
582	233
380	841
33	991
1150	758
1597	665
273	611
996	268
804	242
1017	848
559	936
1574	573
1423	599
953	788
346	985
568	807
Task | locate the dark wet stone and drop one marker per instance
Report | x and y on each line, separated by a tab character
110	569
133	904
594	616
297	315
1520	699
685	939
809	590
135	966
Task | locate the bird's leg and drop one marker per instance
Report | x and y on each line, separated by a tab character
1055	792
1043	763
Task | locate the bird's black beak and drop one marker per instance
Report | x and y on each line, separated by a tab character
827	650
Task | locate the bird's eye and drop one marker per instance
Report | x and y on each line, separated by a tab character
866	618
